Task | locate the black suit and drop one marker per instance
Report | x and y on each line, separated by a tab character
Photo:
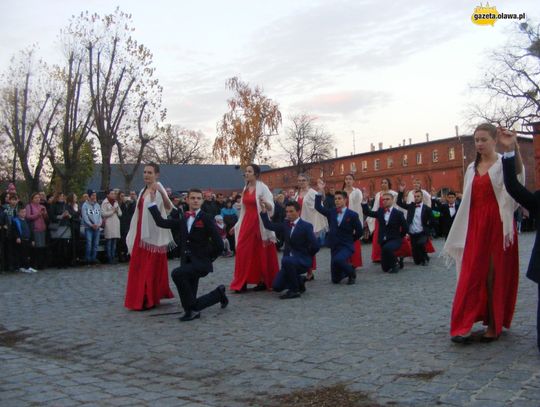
390	234
418	239
446	219
199	247
531	202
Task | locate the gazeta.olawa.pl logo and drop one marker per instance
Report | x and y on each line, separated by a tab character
487	15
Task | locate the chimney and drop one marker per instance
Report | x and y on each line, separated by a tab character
390	146
403	144
372	147
457	131
410	141
380	146
427	136
335	151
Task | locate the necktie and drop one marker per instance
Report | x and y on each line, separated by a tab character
189	214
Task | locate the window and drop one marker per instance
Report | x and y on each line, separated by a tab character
435	156
377	164
364	166
389	162
418	158
332	171
404	160
321	174
353	167
342	169
451	153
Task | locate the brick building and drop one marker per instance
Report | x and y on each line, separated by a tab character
439	164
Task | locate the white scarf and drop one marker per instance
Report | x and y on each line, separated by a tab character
261	190
355	203
455	243
371	221
153	238
310	214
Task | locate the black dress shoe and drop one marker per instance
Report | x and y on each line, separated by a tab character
289	294
260	287
394	269
224	300
243	290
302	287
352	278
401	262
190	316
461	339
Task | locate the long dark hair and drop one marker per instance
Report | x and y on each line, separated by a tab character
389	182
350	174
492	131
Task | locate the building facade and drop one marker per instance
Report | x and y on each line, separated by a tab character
439	164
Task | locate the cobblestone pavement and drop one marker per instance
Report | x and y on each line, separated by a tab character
66	340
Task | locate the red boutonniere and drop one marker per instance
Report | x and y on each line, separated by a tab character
198	224
347	219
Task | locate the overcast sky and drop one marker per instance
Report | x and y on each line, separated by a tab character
384	73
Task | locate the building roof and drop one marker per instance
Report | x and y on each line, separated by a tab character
179	177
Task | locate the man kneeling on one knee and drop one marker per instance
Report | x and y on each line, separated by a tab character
300	247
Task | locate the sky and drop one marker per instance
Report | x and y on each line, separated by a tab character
368	70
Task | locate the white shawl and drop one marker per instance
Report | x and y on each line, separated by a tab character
153	238
261	190
371	221
455	243
310	214
355	203
426	197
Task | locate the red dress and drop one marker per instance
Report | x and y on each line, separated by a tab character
484	242
148	277
256	261
356	259
405	249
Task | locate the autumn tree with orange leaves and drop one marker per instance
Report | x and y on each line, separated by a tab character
246	129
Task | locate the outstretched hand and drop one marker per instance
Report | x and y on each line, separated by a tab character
507	138
401	187
321	185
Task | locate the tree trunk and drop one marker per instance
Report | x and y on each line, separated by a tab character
106	153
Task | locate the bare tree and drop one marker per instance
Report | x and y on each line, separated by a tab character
179	146
27	115
120	79
245	130
305	142
512	81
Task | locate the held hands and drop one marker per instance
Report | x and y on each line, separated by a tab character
320	186
507	138
263	204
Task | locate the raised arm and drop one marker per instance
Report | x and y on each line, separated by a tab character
275	227
368	212
517	191
163	223
399	200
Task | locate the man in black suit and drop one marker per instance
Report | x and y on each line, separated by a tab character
420	222
344	229
530	201
392	230
300	247
447	210
200	245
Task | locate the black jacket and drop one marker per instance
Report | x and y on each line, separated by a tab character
426	216
202	242
396	228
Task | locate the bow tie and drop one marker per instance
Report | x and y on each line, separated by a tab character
189	214
386	210
291	224
451	206
418	205
339	210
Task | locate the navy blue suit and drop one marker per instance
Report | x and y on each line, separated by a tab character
531	202
340	238
298	252
390	234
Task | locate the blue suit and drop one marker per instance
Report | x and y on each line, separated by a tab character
531	202
300	247
341	237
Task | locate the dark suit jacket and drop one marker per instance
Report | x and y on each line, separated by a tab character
344	234
426	216
302	242
531	202
201	243
395	229
445	220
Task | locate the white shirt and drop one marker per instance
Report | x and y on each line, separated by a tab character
340	215
416	225
191	220
387	215
452	209
294	225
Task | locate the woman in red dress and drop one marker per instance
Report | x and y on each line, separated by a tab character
354	203
256	259
148	277
483	242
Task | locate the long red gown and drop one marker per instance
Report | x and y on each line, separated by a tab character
256	261
405	249
356	259
484	242
148	277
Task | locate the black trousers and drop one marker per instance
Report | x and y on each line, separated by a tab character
388	258
418	244
186	278
22	254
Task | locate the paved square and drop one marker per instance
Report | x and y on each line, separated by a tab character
66	340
